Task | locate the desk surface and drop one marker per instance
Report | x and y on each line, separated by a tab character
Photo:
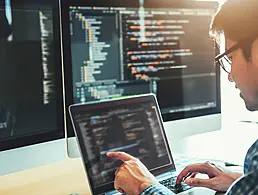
63	178
67	177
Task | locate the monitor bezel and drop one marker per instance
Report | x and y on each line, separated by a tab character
134	4
75	108
30	139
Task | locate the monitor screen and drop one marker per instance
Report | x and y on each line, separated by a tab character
31	108
162	48
138	130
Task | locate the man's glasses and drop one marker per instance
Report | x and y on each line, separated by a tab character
224	61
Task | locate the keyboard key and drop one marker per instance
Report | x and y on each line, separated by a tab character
170	183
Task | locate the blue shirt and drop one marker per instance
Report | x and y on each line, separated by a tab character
245	185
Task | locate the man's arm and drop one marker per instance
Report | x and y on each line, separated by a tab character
247	184
134	178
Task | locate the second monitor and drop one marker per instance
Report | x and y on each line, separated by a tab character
115	49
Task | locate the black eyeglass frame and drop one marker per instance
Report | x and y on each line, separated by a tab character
230	50
240	44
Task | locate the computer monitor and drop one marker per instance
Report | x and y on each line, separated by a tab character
116	48
31	101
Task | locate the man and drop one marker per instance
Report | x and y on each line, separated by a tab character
237	19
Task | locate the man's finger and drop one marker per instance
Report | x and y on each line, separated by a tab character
117	186
121	191
116	171
195	182
120	156
199	168
193	175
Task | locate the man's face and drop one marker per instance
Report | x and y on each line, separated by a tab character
245	74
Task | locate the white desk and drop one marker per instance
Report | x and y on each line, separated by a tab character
61	178
68	176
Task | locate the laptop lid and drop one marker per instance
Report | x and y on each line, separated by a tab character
132	124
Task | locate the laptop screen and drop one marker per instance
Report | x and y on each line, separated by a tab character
131	125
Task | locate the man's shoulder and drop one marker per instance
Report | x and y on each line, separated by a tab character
251	159
253	151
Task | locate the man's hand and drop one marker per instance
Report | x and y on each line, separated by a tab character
219	179
132	177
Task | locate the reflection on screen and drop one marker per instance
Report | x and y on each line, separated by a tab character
132	128
27	71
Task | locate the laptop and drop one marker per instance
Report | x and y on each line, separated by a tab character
132	125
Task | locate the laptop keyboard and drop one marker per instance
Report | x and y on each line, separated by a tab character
170	183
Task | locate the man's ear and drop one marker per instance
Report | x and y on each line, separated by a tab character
255	52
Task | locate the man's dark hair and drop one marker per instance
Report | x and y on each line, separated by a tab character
238	20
